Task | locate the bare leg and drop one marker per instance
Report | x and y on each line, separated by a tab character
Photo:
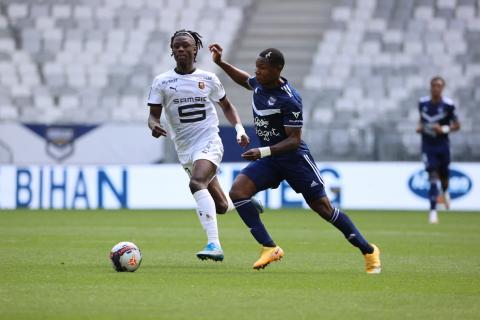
216	191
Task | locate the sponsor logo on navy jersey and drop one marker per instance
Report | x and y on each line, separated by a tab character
263	131
459	186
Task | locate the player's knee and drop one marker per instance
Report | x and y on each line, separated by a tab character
196	184
234	194
242	188
237	192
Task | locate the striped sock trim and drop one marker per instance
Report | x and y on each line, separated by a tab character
335	215
241	203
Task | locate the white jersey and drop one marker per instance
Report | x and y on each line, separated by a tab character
189	104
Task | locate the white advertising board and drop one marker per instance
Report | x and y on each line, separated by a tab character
371	185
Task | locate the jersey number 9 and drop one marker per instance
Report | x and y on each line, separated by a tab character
192	113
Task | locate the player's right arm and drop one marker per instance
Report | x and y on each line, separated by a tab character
154	101
239	76
154	121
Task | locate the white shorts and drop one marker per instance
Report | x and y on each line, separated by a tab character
211	150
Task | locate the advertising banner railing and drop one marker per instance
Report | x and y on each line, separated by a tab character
373	185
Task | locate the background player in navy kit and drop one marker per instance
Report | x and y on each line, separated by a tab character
277	110
437	119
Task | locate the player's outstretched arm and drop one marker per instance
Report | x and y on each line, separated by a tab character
454	125
154	121
237	75
231	114
291	143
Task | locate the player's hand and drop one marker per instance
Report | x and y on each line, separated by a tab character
437	128
243	140
419	128
158	131
252	154
216	51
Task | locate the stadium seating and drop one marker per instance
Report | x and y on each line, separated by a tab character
375	60
360	65
93	61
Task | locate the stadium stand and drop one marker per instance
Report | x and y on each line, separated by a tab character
372	64
93	61
361	65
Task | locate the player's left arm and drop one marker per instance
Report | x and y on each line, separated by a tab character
454	123
453	126
231	114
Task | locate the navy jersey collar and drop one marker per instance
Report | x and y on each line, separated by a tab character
285	82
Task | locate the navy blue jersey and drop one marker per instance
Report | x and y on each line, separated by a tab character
442	113
273	110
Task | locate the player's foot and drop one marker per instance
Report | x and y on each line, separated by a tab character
211	251
267	255
433	217
372	261
258	204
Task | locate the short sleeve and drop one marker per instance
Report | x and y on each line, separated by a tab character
252	82
155	94
218	92
292	114
453	113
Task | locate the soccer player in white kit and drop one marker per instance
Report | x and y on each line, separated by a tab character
188	96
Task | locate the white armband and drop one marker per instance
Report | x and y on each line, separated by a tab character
445	129
240	130
265	152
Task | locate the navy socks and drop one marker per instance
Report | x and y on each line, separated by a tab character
343	223
433	194
249	214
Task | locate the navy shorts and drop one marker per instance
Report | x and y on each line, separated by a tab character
436	159
299	170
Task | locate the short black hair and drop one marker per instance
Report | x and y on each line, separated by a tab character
273	57
194	35
438	78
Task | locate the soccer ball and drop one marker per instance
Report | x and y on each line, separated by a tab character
125	256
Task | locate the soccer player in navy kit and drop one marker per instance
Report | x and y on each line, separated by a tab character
437	120
277	110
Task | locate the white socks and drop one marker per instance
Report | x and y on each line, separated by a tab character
231	206
207	215
433	217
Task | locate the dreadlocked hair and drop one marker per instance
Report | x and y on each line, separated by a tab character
192	34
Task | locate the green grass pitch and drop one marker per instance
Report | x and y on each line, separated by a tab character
54	265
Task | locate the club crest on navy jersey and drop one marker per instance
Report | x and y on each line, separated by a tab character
271	101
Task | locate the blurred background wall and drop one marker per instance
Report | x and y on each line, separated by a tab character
360	65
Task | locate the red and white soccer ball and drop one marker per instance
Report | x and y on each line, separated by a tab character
125	256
